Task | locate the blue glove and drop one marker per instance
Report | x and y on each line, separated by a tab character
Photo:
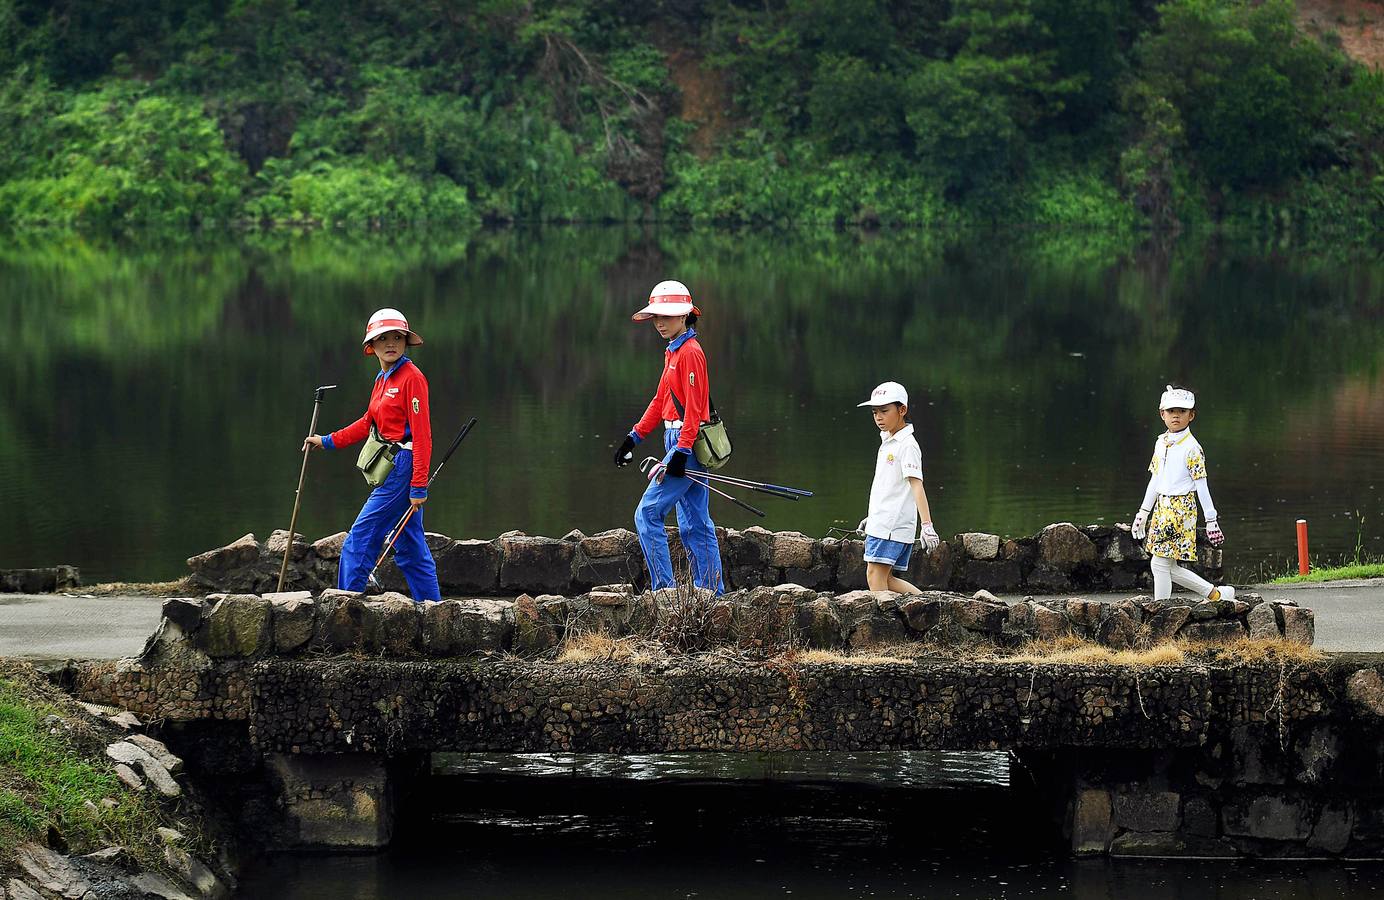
677	466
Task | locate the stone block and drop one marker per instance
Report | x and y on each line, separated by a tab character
1123	548
1147	844
1092	826
42	580
1299	624
184	612
1022	620
238	625
1365	689
921	615
979	545
329	547
345	623
1331	833
1049	624
1147	810
1213	632
850	565
792	549
1003	575
820	577
243	551
1165	623
340	801
459	627
1117	631
1269	818
819	623
1263	622
536	564
978	615
532	634
468	567
1198	818
750	548
400	629
1047	578
933	570
278	543
1064	547
293	622
615	542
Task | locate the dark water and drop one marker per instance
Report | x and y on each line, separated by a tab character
152	399
884	825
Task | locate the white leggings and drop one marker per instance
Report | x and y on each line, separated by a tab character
1166	571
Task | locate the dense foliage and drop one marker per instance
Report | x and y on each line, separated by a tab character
1099	113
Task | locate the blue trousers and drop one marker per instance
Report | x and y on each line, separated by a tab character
381	512
695	527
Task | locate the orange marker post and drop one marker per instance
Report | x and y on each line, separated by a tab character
1303	566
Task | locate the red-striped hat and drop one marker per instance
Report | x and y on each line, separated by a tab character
668	298
384	321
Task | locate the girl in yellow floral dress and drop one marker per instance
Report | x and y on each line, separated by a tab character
1169	512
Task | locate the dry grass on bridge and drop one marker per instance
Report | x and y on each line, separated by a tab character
599	648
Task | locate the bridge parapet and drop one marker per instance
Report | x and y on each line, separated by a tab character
1060	558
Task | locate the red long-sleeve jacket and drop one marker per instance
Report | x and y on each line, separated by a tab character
399	408
684	372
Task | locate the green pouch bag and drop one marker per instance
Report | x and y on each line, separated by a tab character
712	445
376	459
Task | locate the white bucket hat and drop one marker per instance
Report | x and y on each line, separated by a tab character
889	392
668	298
1177	398
384	321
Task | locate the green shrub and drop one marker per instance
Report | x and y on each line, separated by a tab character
358	194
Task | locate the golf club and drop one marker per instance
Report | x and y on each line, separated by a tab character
302	473
656	472
408	514
772	490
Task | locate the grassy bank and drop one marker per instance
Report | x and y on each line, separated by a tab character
57	787
1335	573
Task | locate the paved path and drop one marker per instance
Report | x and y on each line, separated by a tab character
56	627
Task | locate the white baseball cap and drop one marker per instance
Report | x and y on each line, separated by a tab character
1177	398
668	298
889	392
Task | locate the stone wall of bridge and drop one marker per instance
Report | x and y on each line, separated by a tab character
1059	559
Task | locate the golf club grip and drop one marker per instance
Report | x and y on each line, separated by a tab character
456	442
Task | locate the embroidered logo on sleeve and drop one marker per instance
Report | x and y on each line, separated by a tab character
415	406
692	378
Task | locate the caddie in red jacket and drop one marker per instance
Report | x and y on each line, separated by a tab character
398	410
684	384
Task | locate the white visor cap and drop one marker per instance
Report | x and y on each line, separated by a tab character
889	392
1177	398
668	298
384	321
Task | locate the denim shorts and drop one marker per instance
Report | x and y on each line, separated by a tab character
896	553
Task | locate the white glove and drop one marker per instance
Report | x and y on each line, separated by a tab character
1140	527
930	538
861	527
1214	533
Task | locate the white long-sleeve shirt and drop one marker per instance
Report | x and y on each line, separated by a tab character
1179	467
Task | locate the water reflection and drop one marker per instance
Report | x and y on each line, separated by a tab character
155	409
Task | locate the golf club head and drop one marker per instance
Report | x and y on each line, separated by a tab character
649	461
322	389
374	584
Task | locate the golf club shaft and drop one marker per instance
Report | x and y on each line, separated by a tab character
408	514
761	485
298	494
709	486
751	486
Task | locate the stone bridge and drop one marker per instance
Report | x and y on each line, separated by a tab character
1216	758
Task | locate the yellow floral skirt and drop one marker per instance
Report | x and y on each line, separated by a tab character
1173	527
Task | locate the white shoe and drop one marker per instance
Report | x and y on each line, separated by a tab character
1226	591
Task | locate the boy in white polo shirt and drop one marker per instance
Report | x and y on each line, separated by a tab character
897	497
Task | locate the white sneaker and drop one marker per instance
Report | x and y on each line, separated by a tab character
1226	591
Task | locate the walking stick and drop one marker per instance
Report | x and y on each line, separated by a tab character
408	514
302	473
